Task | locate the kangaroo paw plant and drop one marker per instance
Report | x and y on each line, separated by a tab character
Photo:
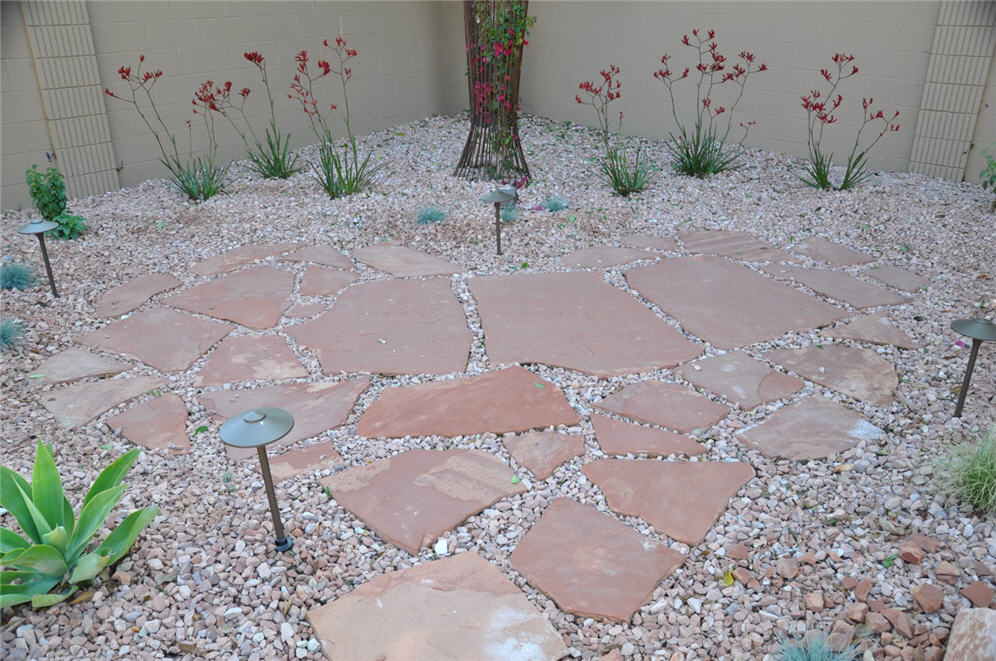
54	555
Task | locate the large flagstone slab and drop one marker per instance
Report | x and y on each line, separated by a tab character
898	278
604	257
316	407
574	320
158	424
412	498
649	241
316	456
327	255
74	364
860	373
681	499
318	281
509	400
391	327
874	329
738	245
812	429
591	564
239	257
256	297
831	253
457	608
727	304
838	285
402	262
741	379
616	437
131	295
248	358
165	339
670	405
77	405
542	452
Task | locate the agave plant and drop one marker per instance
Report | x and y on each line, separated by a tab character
54	555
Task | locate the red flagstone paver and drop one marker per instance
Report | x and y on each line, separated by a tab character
604	257
391	327
649	241
738	245
250	357
75	363
158	424
680	499
303	460
574	320
860	373
509	400
77	405
973	635
874	329
812	429
615	437
741	379
239	257
316	407
302	310
831	253
412	498
591	564
897	277
318	281
542	452
131	295
669	405
256	297
326	255
461	607
838	285
165	339
727	304
402	262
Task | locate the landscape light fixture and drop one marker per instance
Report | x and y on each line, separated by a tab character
498	197
980	330
38	228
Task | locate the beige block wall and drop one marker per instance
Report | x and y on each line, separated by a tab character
985	130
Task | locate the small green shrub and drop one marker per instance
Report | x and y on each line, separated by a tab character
554	203
10	335
430	214
16	276
54	555
814	647
70	226
48	192
988	175
968	472
623	175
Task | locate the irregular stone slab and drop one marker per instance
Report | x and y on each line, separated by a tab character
316	407
973	635
898	278
615	437
604	257
681	499
466	609
812	429
860	373
75	364
391	327
412	498
874	329
77	405
741	379
666	404
158	424
327	255
649	241
402	262
239	257
256	297
305	310
250	357
542	452
838	285
727	304
509	400
318	281
738	245
131	295
165	339
591	564
574	320
303	460
831	253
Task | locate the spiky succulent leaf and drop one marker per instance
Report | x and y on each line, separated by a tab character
19	586
46	600
122	537
46	487
12	490
112	475
41	523
10	541
92	516
41	558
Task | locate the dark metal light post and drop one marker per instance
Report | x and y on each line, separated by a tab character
980	330
498	197
256	429
38	228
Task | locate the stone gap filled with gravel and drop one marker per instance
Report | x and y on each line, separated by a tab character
204	579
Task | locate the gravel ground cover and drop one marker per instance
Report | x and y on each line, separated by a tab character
784	557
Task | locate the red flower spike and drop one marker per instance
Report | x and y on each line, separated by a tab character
712	34
244	92
253	57
141	58
685	41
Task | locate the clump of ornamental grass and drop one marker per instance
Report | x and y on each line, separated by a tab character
16	276
814	647
10	335
554	203
430	214
968	472
509	213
